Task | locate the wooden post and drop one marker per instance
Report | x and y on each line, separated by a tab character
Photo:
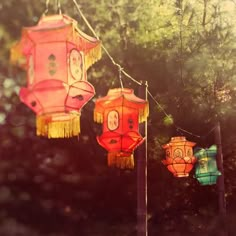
142	229
220	181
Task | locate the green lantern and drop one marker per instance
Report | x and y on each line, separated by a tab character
206	170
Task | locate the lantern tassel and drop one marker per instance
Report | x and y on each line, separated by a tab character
98	117
143	113
93	55
57	127
121	160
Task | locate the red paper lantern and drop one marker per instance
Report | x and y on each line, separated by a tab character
56	55
179	156
120	112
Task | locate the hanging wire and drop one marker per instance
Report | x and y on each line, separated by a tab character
181	39
187	132
120	77
103	47
47	7
177	127
159	105
121	70
204	136
59	6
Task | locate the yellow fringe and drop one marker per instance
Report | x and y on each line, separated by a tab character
16	55
144	113
98	117
93	55
121	160
54	127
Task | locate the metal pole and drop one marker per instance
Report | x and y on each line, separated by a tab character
142	229
220	182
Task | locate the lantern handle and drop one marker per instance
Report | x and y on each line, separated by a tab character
120	77
47	7
59	6
57	3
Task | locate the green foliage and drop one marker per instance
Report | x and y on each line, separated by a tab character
168	120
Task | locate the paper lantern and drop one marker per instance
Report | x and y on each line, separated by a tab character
206	170
179	156
56	55
120	112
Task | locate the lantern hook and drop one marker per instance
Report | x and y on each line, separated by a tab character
120	76
58	6
47	7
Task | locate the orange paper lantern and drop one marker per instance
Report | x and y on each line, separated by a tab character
56	55
179	156
120	112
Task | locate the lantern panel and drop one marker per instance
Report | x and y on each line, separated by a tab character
206	170
179	156
39	98
116	142
123	118
79	94
180	170
209	179
52	63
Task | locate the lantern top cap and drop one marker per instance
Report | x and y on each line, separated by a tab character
210	152
179	140
121	93
124	97
58	28
117	91
53	22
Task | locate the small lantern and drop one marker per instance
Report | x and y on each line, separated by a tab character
120	112
56	55
206	170
179	156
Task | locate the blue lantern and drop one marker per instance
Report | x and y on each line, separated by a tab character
206	170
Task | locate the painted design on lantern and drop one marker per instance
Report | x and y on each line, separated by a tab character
113	120
31	70
113	141
189	152
131	123
167	153
202	164
213	164
52	66
178	153
75	61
